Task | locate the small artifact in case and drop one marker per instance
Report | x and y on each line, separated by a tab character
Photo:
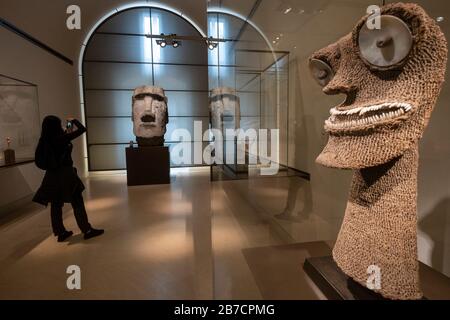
10	155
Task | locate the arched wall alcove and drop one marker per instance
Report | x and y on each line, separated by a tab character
117	57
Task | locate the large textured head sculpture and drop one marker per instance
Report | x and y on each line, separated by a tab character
150	115
391	77
225	109
391	88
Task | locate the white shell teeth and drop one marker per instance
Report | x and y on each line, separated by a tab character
336	112
385	111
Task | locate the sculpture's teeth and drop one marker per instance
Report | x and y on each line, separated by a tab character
383	112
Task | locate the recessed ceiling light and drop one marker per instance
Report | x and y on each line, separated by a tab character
440	19
287	10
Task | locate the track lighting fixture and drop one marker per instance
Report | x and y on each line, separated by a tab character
168	40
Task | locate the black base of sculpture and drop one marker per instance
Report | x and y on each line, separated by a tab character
150	142
333	283
148	165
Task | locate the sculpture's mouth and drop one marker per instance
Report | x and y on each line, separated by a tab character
227	117
361	118
148	120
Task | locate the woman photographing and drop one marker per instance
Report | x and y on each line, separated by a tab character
61	183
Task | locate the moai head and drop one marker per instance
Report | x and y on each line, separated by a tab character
225	109
150	114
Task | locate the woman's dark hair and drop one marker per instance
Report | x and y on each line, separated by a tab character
51	128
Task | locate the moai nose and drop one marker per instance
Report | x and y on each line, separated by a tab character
148	103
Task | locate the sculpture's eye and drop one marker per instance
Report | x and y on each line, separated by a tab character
388	46
321	71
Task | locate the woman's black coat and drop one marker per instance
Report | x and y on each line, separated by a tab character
61	184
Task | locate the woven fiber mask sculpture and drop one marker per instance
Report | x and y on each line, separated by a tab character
391	77
150	115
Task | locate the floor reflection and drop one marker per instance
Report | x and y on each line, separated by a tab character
192	239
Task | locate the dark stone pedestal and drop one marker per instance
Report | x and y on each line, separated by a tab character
148	165
333	283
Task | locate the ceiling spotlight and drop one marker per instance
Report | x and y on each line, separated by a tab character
440	19
287	10
161	42
176	43
211	43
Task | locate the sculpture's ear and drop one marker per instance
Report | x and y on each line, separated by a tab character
321	71
132	106
386	39
166	99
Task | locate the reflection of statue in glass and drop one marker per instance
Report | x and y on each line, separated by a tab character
150	115
392	77
225	109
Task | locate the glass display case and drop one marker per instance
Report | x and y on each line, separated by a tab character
249	83
19	121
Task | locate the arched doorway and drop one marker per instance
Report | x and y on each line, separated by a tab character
120	56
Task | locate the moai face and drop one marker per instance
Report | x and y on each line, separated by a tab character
150	113
225	109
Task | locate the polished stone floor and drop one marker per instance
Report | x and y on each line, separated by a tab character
192	239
